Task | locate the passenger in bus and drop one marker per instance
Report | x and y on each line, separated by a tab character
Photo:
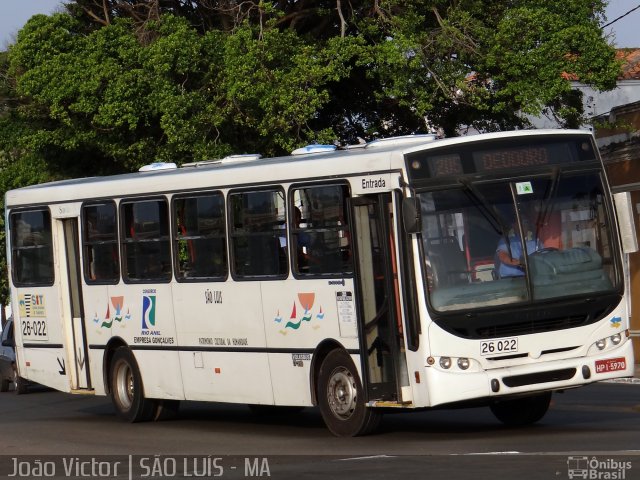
509	256
303	242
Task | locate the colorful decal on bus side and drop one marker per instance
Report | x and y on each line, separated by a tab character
118	304
615	322
306	300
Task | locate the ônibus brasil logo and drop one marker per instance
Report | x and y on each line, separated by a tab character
594	468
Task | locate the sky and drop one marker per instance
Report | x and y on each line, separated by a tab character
14	14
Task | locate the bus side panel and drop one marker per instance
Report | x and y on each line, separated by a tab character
299	315
142	316
39	336
221	336
228	377
160	370
97	315
291	374
38	371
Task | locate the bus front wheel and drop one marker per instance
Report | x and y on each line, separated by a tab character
341	397
127	393
522	411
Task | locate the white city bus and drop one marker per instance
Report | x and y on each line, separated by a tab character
357	280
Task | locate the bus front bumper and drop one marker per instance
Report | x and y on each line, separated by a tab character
450	386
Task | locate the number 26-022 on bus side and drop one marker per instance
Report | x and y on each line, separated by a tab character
504	345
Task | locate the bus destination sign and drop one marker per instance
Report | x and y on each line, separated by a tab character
498	155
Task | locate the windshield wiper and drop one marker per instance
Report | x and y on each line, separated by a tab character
488	210
548	200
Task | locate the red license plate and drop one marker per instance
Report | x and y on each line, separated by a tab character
611	365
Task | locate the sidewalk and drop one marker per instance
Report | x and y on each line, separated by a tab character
635	379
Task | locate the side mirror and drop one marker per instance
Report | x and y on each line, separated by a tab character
411	217
626	222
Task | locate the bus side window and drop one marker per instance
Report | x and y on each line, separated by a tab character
256	233
200	237
146	247
320	235
32	248
100	243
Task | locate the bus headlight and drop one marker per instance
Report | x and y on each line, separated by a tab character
445	362
616	339
463	363
601	343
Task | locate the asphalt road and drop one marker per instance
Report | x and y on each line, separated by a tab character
592	431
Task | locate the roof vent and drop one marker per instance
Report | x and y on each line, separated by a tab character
247	157
315	148
401	141
152	167
228	159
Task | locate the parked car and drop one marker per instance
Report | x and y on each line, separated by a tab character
8	371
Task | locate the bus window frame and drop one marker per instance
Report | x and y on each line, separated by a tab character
122	239
84	243
13	233
174	236
291	209
230	234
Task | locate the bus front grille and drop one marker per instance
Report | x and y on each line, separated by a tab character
539	377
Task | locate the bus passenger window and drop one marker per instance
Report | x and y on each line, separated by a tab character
200	243
100	243
320	235
257	233
146	247
32	248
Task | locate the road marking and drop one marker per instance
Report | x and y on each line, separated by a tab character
370	457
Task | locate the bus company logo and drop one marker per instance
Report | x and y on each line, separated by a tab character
294	323
615	322
148	312
608	469
31	305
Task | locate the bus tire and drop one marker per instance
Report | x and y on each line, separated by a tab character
341	397
4	385
522	411
127	392
19	383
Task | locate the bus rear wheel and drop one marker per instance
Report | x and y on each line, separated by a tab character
127	393
19	383
341	397
518	412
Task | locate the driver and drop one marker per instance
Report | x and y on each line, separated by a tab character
509	256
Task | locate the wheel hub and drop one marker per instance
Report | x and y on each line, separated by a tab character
124	390
342	393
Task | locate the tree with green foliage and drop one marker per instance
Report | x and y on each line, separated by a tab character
109	85
117	83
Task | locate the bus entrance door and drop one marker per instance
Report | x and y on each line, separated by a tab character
75	327
379	314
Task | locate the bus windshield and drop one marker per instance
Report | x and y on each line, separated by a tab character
491	243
